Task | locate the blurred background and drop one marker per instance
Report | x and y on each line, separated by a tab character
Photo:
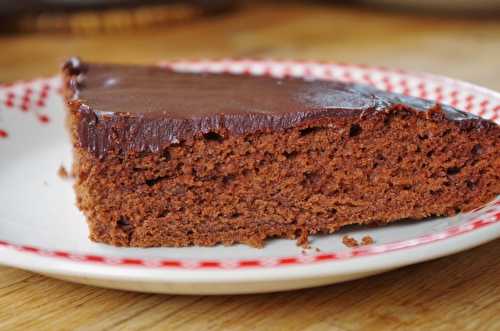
458	38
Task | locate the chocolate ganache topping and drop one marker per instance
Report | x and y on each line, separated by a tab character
146	108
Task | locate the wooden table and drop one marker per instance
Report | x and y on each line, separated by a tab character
460	292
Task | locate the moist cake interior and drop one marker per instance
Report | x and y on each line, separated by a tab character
242	177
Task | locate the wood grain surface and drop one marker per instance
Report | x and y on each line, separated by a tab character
459	292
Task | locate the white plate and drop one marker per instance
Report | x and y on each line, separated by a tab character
41	230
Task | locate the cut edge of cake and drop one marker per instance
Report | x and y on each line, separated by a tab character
406	158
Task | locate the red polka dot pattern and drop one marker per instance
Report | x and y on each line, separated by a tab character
28	97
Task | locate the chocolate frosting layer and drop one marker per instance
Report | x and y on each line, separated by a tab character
146	108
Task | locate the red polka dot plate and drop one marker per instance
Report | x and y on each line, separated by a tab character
41	229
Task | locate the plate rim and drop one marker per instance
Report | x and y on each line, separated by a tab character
363	264
489	220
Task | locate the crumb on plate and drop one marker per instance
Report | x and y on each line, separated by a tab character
62	172
349	241
367	240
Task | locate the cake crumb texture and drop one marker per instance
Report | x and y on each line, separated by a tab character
221	188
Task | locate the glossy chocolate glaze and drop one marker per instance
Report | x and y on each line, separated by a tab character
146	108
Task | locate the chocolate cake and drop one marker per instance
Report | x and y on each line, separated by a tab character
163	158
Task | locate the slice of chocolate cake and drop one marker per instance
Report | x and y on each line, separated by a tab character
175	159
